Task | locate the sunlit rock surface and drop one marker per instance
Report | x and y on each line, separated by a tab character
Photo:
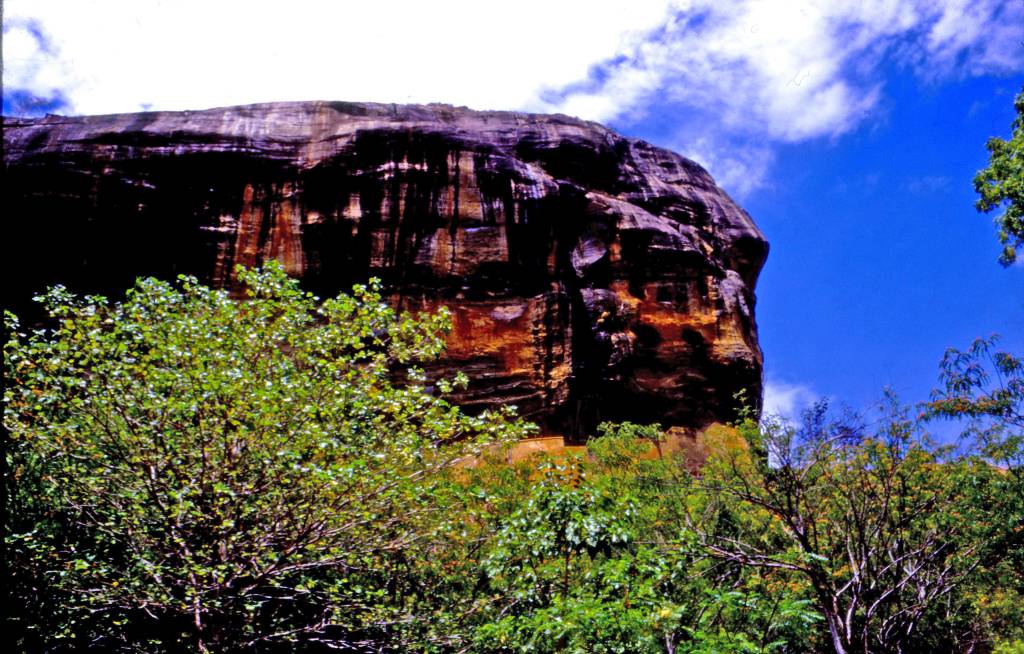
592	276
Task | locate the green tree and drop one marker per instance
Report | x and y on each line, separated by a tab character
983	389
190	471
591	554
887	530
1001	184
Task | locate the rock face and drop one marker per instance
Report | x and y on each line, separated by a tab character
592	277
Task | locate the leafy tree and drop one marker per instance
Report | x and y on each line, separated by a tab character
884	528
189	471
1001	184
592	555
983	388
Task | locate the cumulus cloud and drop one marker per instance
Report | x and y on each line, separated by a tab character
795	70
976	37
775	72
786	401
118	56
36	76
732	81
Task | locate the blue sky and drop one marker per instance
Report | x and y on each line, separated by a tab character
879	261
849	130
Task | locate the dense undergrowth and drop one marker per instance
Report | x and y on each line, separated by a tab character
188	472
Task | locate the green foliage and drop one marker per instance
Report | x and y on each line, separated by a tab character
985	387
1001	184
889	532
188	471
593	555
1009	647
191	470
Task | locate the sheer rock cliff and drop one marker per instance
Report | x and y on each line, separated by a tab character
591	276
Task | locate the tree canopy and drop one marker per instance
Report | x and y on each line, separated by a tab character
1001	185
192	469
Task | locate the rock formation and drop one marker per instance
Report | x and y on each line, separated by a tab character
592	277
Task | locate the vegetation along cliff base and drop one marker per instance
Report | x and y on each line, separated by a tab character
189	471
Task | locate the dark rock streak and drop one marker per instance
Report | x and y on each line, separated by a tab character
592	277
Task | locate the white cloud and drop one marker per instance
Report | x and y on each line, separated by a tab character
31	62
737	79
742	168
773	72
786	401
794	70
985	34
196	53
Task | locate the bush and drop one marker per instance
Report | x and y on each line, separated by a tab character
191	471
